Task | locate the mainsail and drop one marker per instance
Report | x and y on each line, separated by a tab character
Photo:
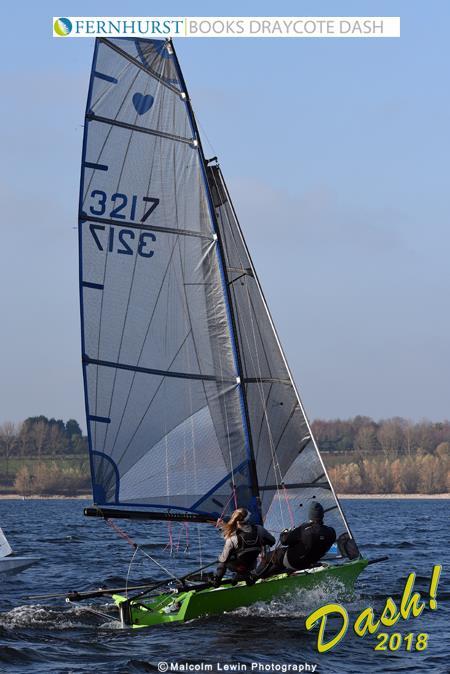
191	408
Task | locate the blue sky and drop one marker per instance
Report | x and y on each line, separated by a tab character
336	154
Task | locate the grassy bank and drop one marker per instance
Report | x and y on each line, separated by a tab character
45	475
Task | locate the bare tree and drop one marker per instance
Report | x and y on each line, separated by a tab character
8	441
40	434
390	436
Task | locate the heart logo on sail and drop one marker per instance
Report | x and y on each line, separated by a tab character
142	104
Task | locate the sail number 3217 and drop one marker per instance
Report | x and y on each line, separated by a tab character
121	207
119	204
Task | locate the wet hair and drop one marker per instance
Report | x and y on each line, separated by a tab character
229	528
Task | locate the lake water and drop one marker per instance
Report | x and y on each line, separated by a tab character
80	553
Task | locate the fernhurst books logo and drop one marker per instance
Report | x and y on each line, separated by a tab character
165	27
62	27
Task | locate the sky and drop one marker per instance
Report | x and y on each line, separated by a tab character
336	155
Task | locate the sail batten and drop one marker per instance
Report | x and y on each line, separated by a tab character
141	225
162	373
138	129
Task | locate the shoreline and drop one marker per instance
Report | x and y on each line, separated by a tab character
393	496
87	497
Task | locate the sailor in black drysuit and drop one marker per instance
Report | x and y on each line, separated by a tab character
303	546
243	544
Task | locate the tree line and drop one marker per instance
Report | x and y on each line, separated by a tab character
362	455
39	437
43	456
390	456
385	437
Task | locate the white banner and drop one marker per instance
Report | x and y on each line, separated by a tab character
226	26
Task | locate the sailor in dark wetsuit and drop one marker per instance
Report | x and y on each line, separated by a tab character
303	546
243	544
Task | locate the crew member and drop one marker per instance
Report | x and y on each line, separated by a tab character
243	544
303	546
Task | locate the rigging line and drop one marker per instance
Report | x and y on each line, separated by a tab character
291	514
166	447
261	423
155	561
231	498
186	524
170	540
123	534
129	569
200	551
177	546
203	130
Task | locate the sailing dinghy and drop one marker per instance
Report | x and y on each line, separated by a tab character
9	562
191	407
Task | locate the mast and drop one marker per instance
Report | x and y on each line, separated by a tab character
226	284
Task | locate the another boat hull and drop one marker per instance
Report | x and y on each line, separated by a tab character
167	608
14	564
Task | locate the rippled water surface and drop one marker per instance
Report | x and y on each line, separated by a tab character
77	553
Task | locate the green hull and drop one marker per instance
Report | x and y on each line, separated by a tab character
168	608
